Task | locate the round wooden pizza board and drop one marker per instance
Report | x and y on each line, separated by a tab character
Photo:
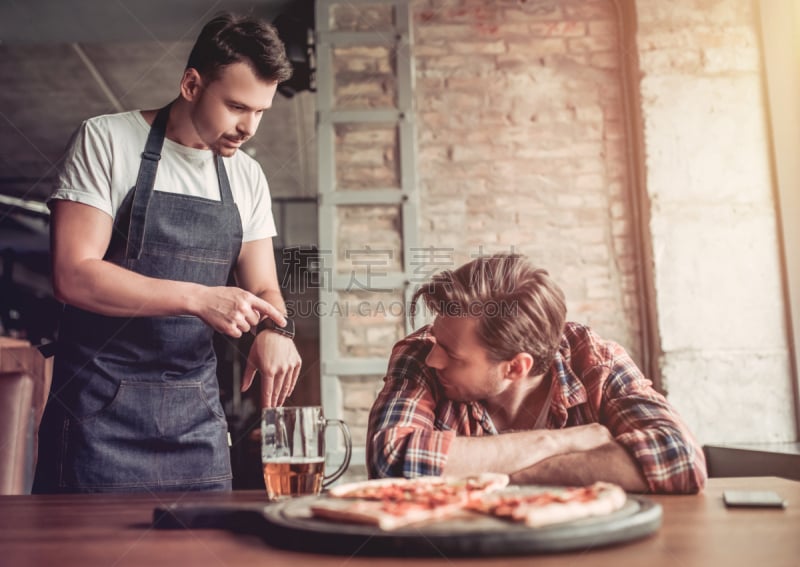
289	525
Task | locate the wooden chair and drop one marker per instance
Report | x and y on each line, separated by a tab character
16	431
18	356
761	459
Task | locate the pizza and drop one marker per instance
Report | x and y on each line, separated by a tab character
393	503
543	506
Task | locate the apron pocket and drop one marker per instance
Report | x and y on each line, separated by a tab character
150	434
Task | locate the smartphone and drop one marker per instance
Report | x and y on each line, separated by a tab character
753	499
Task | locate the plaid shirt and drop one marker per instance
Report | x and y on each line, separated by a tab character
412	423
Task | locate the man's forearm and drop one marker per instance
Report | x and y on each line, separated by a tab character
609	462
510	452
256	272
497	453
274	297
108	289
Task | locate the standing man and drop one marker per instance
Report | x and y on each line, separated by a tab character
154	210
501	383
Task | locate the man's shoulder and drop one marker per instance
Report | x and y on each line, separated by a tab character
419	340
117	126
583	349
126	119
580	345
575	333
413	349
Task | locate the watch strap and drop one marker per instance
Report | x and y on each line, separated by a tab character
269	325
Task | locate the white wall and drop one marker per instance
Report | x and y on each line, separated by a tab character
722	325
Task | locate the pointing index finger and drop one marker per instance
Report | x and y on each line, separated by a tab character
266	309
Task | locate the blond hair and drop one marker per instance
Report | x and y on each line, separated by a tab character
518	307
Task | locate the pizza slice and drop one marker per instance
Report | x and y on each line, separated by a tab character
386	515
543	506
396	502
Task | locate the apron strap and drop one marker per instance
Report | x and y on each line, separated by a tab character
143	190
225	193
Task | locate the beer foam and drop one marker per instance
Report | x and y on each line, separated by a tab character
293	460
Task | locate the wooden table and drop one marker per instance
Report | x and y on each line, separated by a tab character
115	530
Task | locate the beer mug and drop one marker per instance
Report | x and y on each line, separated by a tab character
293	451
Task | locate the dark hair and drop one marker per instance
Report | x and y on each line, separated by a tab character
231	39
518	307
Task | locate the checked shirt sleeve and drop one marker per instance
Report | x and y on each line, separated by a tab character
402	440
645	423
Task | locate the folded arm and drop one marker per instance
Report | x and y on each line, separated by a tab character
649	448
649	451
511	452
649	430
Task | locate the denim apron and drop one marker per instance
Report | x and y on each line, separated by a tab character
134	404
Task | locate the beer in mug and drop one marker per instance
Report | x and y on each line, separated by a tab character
293	451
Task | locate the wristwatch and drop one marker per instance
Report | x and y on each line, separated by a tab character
270	325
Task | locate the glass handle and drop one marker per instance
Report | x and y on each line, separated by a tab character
348	449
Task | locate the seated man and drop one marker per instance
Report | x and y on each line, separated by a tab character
501	383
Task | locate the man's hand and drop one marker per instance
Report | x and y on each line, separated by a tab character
232	310
275	357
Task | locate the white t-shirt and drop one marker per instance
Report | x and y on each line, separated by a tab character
102	164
